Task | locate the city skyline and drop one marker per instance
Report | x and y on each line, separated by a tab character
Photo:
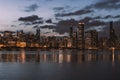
59	39
77	39
59	16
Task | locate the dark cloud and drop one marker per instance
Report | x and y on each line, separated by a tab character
64	25
49	21
86	19
118	16
106	4
79	12
26	23
63	9
58	9
105	32
97	17
36	26
96	23
106	17
48	26
37	22
59	19
31	8
31	20
13	25
45	26
90	21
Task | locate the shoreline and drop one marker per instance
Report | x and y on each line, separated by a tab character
42	48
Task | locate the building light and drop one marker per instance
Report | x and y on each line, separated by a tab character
81	23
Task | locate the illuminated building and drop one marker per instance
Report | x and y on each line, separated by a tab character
20	33
80	36
69	43
30	40
74	40
103	41
0	38
21	44
65	42
113	36
8	33
91	39
71	32
38	35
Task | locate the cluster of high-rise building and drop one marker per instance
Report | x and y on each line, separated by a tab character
78	38
84	40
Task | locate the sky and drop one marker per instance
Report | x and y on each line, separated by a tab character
57	16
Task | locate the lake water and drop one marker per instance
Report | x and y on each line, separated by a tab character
60	65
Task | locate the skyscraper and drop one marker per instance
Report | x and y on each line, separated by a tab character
80	36
91	39
71	32
38	35
113	36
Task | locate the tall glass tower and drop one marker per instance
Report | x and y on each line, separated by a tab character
113	36
80	36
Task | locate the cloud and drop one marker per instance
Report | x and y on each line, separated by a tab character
64	25
97	28
49	21
48	26
79	12
106	17
57	9
97	17
31	20
86	19
63	9
96	23
31	8
118	16
106	4
105	32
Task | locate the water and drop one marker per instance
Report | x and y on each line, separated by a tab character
60	65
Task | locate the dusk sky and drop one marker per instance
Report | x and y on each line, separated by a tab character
56	16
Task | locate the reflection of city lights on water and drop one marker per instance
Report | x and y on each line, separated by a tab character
44	57
54	57
44	46
22	56
89	57
113	57
68	58
60	58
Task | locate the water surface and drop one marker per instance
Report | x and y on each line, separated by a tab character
60	65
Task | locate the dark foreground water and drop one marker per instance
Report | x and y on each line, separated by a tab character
60	65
